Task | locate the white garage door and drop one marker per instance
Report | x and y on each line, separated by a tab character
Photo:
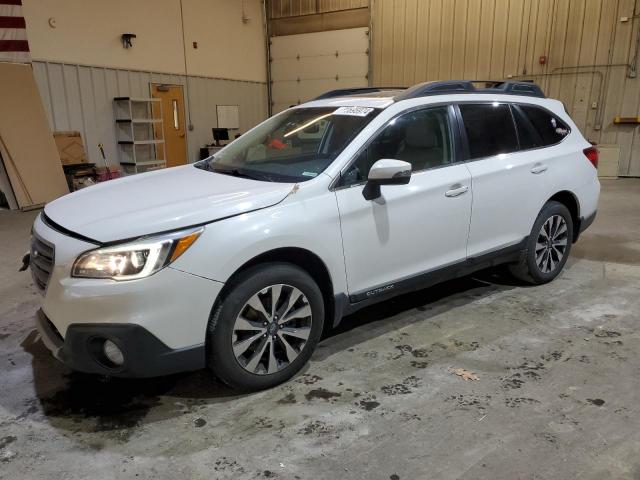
304	66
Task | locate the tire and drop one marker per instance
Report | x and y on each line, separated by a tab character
531	269
275	340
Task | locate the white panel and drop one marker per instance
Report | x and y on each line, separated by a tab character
609	161
105	113
306	65
122	79
349	65
350	40
72	90
292	93
59	101
88	106
228	116
42	79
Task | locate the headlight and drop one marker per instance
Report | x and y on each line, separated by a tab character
138	259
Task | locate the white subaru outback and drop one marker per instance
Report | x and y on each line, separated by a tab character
237	262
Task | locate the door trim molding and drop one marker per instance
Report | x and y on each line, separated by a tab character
422	280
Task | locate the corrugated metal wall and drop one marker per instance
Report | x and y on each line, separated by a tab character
78	97
293	8
588	44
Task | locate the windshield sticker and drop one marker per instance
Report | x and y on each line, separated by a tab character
309	174
354	111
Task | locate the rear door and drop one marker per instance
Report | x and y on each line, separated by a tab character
509	164
411	229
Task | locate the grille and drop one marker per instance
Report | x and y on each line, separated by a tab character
42	255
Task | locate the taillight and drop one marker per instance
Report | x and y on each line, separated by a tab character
592	155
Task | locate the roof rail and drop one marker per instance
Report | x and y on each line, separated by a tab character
529	89
342	92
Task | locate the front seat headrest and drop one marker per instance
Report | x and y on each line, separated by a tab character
420	135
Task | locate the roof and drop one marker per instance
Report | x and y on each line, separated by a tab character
364	100
447	87
382	97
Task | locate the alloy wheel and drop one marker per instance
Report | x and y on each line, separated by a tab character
551	244
271	329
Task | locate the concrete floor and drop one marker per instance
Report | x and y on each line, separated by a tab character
557	394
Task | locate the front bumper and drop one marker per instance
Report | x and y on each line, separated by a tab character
159	322
144	354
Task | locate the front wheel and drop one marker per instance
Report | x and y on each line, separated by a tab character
548	245
266	327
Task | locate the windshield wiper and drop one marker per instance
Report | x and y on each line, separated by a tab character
236	172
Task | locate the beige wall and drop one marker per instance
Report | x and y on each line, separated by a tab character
293	8
293	17
227	47
80	65
88	32
584	41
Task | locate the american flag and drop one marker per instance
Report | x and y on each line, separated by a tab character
13	33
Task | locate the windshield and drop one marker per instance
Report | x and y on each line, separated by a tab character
294	146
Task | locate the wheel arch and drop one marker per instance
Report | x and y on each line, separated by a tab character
569	200
302	258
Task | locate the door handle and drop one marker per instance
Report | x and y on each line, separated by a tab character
457	191
539	168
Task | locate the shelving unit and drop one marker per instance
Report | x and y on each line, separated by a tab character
139	128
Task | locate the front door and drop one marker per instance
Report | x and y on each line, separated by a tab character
175	145
411	229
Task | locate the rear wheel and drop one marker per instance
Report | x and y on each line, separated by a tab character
548	245
266	328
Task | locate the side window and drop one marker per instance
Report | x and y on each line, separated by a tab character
527	136
551	129
421	137
490	129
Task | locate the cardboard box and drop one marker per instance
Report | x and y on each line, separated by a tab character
70	147
80	176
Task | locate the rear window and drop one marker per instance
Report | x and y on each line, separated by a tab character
490	129
550	128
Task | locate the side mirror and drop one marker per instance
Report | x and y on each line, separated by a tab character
386	172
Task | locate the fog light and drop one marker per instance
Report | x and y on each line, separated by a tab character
113	353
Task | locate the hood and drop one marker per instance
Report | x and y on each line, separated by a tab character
158	201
